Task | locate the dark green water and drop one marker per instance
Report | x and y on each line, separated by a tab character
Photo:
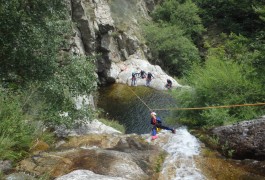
120	104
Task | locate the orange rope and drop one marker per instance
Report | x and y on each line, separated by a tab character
211	107
195	108
140	99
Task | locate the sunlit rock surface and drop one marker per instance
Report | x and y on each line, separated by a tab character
136	65
86	174
88	127
124	156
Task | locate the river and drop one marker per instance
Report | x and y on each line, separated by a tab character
188	158
120	103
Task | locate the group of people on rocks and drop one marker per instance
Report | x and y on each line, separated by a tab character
149	76
142	74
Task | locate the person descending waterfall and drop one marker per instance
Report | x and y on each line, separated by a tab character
149	78
157	123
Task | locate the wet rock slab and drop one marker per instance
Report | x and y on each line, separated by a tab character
126	157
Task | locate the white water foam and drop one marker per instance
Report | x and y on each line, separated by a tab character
180	164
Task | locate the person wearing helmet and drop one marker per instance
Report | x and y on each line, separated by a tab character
142	74
149	78
169	84
133	79
157	123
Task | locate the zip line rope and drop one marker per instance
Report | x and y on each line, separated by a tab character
211	107
140	99
196	108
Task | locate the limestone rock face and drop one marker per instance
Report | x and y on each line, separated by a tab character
245	138
112	30
133	64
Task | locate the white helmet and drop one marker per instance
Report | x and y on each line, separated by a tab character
153	114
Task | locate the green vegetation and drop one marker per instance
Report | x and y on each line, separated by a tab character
172	35
39	77
115	124
159	162
240	17
229	37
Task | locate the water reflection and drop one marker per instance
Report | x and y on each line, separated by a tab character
122	105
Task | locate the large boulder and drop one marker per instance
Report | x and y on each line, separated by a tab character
246	139
123	73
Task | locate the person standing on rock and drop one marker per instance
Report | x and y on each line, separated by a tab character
133	79
149	78
142	74
157	124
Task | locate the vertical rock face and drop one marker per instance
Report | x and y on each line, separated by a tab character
111	29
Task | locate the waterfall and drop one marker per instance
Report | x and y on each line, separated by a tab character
182	148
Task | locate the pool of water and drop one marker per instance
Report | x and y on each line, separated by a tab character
120	103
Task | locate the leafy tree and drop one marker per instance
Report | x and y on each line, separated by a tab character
232	16
220	82
171	37
39	77
30	37
169	44
183	14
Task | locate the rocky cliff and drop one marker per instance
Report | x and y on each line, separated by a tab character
111	30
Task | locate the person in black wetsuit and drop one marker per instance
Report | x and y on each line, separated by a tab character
149	78
169	84
142	74
133	79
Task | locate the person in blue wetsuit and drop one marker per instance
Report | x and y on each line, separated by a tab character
157	123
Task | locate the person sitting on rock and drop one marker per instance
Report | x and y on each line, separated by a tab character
149	78
169	84
157	123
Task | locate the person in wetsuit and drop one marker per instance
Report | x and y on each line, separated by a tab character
157	123
149	78
169	84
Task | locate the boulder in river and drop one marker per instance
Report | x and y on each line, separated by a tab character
246	139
